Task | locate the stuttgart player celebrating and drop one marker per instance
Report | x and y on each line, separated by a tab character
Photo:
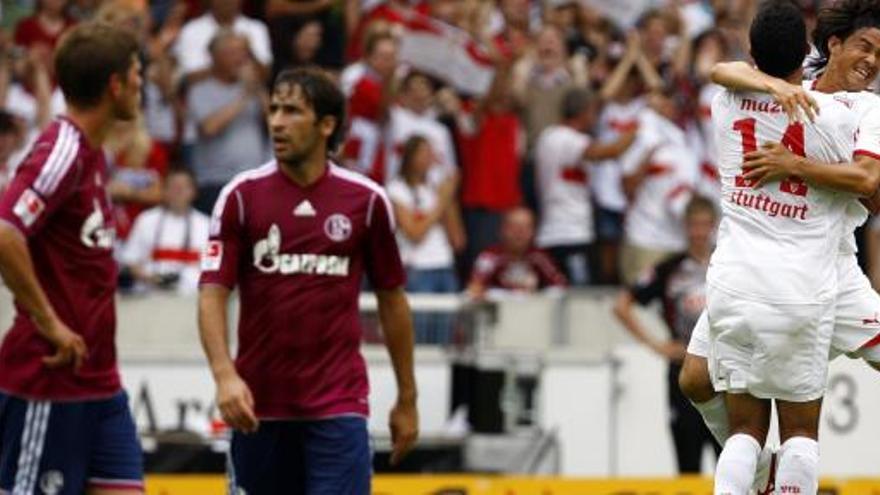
295	237
65	425
847	41
771	286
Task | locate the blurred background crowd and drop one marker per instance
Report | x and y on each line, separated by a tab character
525	144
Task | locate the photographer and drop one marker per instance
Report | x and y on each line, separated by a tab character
164	246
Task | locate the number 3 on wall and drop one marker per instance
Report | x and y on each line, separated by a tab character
793	139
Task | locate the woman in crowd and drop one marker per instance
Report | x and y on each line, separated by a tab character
427	255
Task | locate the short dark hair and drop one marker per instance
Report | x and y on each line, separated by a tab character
778	37
841	19
87	56
412	76
181	170
322	94
574	102
700	204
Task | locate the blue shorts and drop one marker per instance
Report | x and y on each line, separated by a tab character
322	457
62	448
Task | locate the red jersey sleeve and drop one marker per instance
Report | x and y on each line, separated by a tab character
221	256
547	270
42	183
366	100
382	260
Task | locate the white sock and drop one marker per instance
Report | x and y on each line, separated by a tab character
798	470
714	413
735	471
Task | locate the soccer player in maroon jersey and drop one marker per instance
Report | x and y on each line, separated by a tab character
295	236
65	425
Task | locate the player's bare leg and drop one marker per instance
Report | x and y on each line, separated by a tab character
798	470
694	379
749	421
696	385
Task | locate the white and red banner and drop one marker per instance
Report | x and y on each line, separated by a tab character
446	52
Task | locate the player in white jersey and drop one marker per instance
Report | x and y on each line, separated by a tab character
849	40
771	287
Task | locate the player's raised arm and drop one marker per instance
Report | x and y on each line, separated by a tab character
606	151
740	76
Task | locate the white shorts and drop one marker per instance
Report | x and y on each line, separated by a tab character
856	315
769	350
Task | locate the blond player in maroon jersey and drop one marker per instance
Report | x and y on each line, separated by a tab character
65	424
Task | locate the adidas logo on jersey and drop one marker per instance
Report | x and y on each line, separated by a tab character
304	209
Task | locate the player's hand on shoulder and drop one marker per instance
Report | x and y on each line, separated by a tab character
70	348
236	403
404	425
795	100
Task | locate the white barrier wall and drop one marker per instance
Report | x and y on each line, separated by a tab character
611	419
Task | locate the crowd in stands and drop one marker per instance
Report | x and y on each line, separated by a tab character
580	128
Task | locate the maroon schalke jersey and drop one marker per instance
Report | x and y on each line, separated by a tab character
58	201
497	269
297	255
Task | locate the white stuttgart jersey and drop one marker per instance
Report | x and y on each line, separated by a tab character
404	124
605	177
778	243
563	189
654	217
866	107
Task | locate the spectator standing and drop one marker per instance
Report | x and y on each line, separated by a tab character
166	241
193	49
285	17
542	77
415	114
138	165
491	141
30	96
40	32
227	109
420	207
515	264
659	173
622	95
709	49
561	153
679	282
371	96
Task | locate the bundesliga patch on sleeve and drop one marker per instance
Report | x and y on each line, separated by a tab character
29	207
212	258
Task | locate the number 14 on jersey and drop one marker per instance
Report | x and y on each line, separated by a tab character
793	139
